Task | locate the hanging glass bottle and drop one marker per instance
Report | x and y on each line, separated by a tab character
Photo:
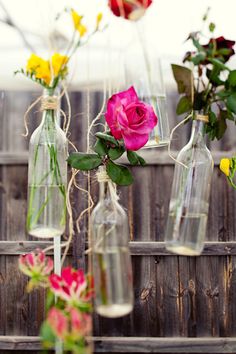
143	71
188	209
112	268
47	174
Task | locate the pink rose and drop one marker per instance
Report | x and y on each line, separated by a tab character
130	119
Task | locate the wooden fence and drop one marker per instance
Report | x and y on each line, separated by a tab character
182	304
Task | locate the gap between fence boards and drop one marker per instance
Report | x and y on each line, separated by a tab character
148	248
156	156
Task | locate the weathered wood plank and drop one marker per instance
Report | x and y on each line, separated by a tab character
145	297
137	248
165	345
207	296
135	344
16	299
22	247
14	182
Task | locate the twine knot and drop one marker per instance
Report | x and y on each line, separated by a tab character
51	102
102	176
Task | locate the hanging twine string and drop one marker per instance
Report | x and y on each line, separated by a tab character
50	103
26	115
181	123
171	137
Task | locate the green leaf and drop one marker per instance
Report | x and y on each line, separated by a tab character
47	335
141	160
197	44
232	78
50	300
218	64
119	174
212	118
115	153
184	105
84	162
100	147
107	137
231	103
197	59
133	157
221	126
212	27
213	76
184	78
223	94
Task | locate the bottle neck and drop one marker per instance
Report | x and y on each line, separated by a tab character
104	192
50	108
197	134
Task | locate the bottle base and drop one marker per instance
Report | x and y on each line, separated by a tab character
113	311
45	232
154	144
183	250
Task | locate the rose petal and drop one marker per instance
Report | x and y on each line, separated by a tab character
134	141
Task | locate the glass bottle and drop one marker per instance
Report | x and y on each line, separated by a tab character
112	267
143	71
47	173
188	209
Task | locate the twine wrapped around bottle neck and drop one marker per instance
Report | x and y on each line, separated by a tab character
202	118
102	177
49	103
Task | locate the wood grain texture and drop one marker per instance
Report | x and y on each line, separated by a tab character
174	296
134	344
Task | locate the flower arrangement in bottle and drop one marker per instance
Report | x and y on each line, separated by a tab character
47	175
212	80
142	66
129	121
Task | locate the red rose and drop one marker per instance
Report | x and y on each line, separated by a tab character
222	43
129	9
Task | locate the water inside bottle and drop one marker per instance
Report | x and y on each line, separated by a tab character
47	210
112	271
185	234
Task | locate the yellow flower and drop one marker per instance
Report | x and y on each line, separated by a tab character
225	166
58	63
77	20
39	67
99	19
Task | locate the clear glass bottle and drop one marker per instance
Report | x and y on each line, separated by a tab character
112	267
143	71
47	174
188	209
